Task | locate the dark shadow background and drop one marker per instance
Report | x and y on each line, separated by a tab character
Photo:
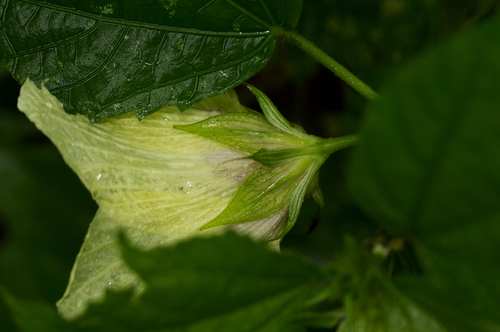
45	210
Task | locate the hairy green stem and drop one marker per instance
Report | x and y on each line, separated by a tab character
331	145
324	147
331	64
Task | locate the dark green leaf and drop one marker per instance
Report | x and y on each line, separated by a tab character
388	312
44	209
224	283
238	281
5	318
428	167
111	57
30	316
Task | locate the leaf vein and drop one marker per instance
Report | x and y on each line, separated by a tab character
184	78
98	69
7	39
53	45
248	14
146	25
205	6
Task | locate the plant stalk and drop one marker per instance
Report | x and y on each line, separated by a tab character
324	147
331	64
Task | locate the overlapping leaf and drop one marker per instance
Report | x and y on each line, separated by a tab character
428	167
218	284
111	57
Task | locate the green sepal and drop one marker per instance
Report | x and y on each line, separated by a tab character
244	132
288	158
273	115
318	197
318	147
265	192
299	194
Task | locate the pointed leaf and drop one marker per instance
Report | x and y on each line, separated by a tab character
110	57
318	197
234	275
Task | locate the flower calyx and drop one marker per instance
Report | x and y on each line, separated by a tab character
287	171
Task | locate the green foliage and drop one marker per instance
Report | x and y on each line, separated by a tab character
38	195
424	258
371	303
427	168
107	58
200	285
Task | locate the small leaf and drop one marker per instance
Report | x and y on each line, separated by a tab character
107	58
370	301
428	167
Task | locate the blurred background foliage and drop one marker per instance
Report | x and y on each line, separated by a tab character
45	210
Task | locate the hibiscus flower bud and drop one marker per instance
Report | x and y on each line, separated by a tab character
173	175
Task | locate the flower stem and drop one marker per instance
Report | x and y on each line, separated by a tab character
324	147
331	64
330	145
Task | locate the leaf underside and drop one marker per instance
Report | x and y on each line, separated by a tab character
107	58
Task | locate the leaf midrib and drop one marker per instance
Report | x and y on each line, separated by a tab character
129	23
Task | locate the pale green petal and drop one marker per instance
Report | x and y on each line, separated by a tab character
265	228
160	185
99	265
144	175
157	183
